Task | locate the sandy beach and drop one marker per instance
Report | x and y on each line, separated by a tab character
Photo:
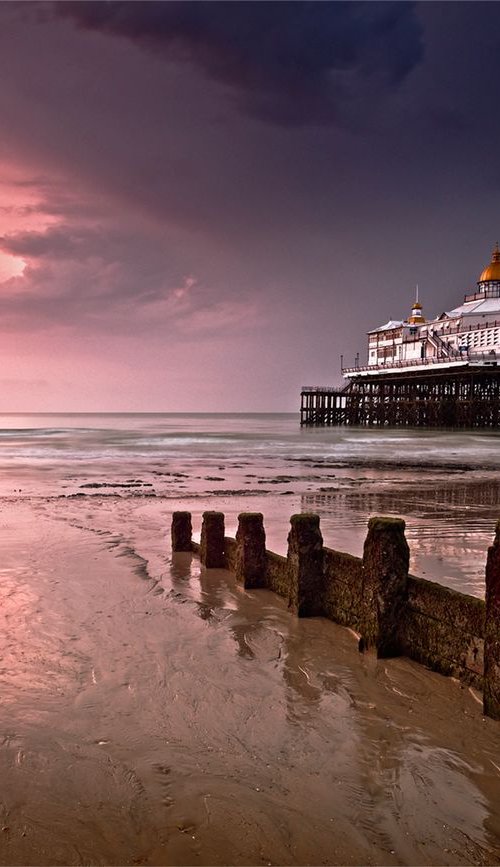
156	713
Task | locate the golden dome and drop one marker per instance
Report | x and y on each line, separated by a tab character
492	272
416	317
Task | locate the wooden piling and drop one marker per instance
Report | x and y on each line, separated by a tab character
491	690
386	559
305	565
212	540
251	561
181	532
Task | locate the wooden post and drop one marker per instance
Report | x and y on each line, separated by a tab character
385	585
491	692
251	563
181	531
305	565
212	540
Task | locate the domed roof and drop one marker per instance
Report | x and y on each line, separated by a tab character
416	317
492	272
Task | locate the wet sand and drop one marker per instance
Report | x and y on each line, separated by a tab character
445	484
156	713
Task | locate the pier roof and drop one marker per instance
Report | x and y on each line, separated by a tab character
482	305
393	323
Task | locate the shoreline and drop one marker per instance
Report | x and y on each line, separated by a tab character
449	524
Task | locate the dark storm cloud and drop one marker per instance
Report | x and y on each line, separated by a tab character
291	63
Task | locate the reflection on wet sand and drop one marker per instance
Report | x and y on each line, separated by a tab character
156	713
398	785
462	512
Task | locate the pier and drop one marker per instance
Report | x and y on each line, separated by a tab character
442	372
461	395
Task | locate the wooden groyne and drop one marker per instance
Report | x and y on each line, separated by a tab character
393	612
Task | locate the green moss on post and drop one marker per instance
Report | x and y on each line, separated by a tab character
212	540
251	566
305	565
182	532
491	695
385	585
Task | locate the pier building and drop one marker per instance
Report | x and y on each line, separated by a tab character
442	372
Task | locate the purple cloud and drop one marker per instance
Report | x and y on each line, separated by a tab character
290	63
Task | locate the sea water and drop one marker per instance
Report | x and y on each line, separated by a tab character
444	484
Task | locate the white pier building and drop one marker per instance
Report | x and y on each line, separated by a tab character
468	334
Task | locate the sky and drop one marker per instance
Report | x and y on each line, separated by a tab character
205	205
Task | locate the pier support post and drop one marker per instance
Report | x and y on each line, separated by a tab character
385	585
251	564
305	565
491	690
182	531
212	540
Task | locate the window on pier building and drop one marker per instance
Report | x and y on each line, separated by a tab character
388	353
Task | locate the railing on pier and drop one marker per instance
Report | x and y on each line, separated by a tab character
465	329
486	293
324	389
464	358
442	348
